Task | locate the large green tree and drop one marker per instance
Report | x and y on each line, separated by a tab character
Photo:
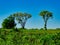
22	18
45	15
9	22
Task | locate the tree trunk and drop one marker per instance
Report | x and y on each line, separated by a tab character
23	27
45	26
23	24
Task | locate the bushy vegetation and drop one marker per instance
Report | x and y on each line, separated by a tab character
29	37
9	22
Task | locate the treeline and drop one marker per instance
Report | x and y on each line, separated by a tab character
22	18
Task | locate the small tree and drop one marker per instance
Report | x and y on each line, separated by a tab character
45	15
22	18
9	23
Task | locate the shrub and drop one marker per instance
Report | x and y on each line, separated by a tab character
9	23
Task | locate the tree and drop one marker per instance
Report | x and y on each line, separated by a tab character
9	22
45	15
22	18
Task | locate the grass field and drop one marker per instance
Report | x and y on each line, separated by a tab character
29	37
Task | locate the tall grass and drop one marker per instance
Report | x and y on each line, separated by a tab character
29	37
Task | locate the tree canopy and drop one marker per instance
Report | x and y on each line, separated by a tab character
22	18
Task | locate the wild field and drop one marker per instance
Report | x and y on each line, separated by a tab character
29	37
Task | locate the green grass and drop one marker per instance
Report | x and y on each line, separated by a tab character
29	37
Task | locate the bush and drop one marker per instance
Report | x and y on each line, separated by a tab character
9	23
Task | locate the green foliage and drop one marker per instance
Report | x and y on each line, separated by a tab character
9	23
29	37
56	38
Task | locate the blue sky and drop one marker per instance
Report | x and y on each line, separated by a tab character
34	7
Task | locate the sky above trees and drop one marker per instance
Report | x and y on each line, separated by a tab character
34	7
